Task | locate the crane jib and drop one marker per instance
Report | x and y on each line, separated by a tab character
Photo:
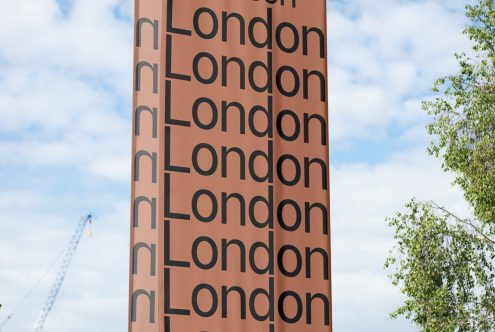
59	279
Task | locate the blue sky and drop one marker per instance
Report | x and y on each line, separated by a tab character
65	134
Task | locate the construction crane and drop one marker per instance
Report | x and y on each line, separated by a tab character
57	284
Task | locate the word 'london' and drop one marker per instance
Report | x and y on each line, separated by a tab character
261	121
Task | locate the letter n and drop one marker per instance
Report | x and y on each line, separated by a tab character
154	69
154	116
135	254
151	298
152	204
137	159
139	28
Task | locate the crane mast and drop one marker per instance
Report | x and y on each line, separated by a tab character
57	284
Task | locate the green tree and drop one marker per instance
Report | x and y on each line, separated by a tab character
444	264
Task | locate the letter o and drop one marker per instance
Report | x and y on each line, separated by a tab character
281	310
280	128
281	176
281	265
295	33
280	215
214	159
214	66
214	208
214	113
280	85
214	253
214	298
197	26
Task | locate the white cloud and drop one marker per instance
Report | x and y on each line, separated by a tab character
65	86
362	196
382	54
91	41
93	297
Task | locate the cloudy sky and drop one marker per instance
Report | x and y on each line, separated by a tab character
65	134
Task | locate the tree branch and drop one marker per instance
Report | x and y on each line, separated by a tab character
466	222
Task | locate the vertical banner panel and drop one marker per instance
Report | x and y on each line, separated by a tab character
145	276
230	195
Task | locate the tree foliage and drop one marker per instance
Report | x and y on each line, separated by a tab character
464	117
445	267
445	264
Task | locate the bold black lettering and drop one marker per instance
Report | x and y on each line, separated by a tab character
167	209
280	125
242	71
214	303
321	40
326	307
281	309
322	83
269	164
295	37
270	295
195	250
214	113
323	127
307	167
195	159
269	205
267	69
297	170
168	62
214	68
242	116
281	86
281	264
269	248
195	206
296	212
168	310
168	108
324	216
242	253
242	299
242	161
242	26
168	261
325	259
242	207
267	27
168	154
170	15
268	113
214	22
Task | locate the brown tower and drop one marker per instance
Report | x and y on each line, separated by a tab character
230	184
